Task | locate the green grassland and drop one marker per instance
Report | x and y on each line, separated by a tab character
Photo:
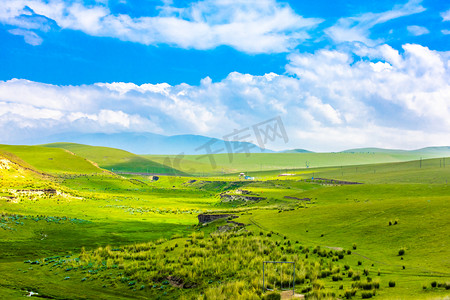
115	159
51	160
241	162
99	235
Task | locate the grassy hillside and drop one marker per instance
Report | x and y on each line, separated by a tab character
115	159
436	170
50	160
241	162
105	236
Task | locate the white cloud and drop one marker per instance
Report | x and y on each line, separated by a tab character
446	15
417	30
262	26
329	99
29	36
445	31
357	29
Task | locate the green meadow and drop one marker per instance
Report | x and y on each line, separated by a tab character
84	222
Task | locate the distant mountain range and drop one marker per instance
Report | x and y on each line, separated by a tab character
427	150
150	143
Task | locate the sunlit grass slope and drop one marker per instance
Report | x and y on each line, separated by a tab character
51	160
115	159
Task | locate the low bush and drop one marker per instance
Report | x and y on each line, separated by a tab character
366	295
349	293
391	283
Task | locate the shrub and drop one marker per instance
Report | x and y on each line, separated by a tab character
336	277
366	272
433	284
356	277
350	273
359	263
354	246
349	293
391	283
366	295
401	252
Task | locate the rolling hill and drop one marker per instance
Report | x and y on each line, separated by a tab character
51	160
115	160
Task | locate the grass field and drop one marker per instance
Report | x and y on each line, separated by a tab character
241	162
115	159
70	229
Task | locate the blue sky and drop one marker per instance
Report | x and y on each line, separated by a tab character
340	74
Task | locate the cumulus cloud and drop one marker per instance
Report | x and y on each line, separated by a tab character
262	26
328	100
357	28
446	15
417	30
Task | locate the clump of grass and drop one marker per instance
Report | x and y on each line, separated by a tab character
354	246
366	295
348	294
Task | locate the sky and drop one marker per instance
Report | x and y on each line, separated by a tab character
339	74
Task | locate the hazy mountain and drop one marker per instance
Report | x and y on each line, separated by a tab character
442	150
150	143
296	151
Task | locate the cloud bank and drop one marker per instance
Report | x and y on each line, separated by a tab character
328	100
258	26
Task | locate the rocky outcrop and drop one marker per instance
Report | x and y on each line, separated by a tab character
295	198
206	218
230	197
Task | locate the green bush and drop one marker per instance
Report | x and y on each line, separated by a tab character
356	277
366	295
391	283
349	293
433	284
401	252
